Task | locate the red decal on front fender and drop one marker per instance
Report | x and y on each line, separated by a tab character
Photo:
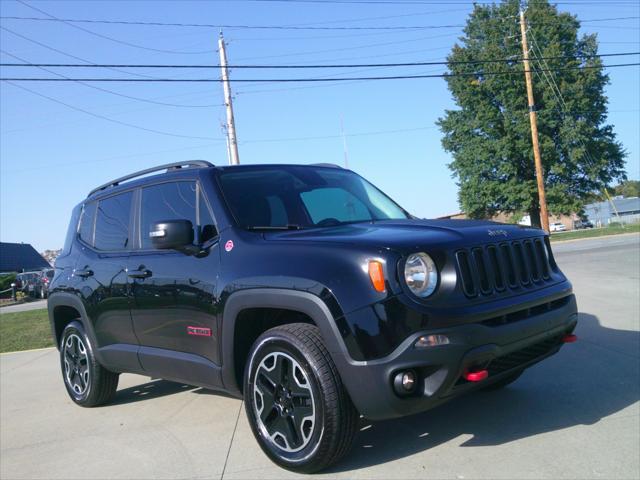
199	331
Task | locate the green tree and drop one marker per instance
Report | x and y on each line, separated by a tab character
489	135
630	188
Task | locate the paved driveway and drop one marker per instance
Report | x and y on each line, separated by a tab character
24	307
575	415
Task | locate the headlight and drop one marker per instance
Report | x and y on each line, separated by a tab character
420	274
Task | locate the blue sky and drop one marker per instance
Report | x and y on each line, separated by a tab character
51	155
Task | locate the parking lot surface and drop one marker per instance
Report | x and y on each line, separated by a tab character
24	307
576	415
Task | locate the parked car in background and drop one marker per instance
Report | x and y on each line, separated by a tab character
582	224
26	282
42	283
557	227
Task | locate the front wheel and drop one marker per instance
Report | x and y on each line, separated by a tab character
298	409
87	382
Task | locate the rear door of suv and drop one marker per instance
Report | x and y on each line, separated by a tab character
100	276
174	309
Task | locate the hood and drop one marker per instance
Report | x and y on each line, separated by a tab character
411	234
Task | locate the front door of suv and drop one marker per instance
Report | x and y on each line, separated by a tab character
174	305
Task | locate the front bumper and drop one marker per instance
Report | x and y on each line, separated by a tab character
501	349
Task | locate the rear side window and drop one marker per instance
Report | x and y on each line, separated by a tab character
112	222
166	201
87	222
71	230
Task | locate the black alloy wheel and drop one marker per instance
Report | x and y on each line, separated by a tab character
298	409
87	382
284	402
76	364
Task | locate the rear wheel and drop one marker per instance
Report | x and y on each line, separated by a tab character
87	382
297	407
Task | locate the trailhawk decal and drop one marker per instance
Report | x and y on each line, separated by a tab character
199	331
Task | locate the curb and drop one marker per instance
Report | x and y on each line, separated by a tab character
616	235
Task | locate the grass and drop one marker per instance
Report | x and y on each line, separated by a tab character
595	232
24	331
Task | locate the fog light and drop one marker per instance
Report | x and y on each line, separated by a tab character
405	382
431	341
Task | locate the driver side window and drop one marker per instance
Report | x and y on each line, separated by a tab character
166	201
336	203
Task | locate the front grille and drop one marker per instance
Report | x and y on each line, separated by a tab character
522	357
512	265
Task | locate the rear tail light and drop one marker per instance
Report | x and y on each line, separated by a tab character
569	338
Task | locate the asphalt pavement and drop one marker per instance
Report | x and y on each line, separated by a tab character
24	307
575	415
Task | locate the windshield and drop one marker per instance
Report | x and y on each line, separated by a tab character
302	197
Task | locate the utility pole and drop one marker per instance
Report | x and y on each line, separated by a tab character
533	119
234	159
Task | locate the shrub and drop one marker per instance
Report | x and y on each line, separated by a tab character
6	280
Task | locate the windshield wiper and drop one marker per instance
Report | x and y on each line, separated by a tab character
274	227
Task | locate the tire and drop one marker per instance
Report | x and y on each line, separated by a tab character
505	381
87	382
310	423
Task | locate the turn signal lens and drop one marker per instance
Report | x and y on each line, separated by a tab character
376	274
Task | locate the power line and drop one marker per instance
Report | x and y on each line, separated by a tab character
426	2
90	64
111	92
228	26
563	108
108	119
288	80
303	66
324	137
53	18
72	21
66	54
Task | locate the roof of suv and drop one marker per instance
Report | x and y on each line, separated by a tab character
178	169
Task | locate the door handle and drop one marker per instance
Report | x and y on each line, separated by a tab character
144	273
84	273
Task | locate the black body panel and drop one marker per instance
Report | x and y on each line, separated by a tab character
172	313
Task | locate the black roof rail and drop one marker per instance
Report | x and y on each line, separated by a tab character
329	165
167	167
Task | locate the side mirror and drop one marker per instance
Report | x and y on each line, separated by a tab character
171	234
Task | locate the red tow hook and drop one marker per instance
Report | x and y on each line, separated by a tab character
476	376
569	338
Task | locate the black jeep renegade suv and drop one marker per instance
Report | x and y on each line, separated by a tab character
304	290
